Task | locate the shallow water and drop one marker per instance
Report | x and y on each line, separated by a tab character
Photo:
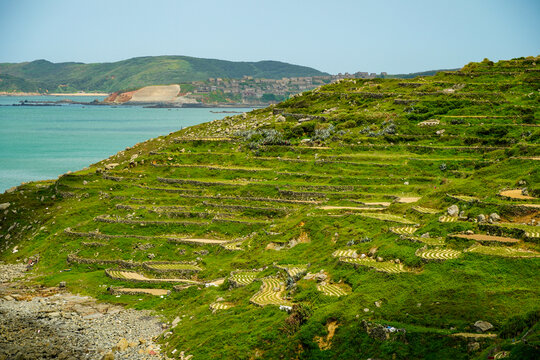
43	142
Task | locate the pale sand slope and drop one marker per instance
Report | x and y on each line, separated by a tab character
159	93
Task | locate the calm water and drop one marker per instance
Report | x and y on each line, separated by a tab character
43	142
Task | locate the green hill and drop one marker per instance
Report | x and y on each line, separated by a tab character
409	204
144	71
10	83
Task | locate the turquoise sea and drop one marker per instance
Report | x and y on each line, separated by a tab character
43	142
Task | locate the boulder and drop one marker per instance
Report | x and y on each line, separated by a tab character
453	210
481	218
494	217
482	326
111	166
4	206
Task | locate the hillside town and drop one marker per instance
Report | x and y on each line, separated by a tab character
258	90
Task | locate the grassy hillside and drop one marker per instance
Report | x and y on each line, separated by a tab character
333	203
11	83
144	71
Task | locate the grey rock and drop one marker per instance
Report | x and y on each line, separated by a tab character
453	210
494	217
4	206
482	326
481	218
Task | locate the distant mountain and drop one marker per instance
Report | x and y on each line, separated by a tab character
138	72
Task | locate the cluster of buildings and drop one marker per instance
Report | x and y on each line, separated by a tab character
253	90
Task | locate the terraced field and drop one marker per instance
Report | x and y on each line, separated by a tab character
136	277
502	251
425	210
388	217
216	306
438	254
293	271
331	290
406	230
350	178
384	266
271	293
173	267
242	278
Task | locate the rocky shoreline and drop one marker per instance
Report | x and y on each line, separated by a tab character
49	323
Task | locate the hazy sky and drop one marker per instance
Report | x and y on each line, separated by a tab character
332	35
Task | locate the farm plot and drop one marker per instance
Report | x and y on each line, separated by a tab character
220	306
426	240
201	241
516	194
466	198
293	270
243	278
377	203
502	251
383	266
405	230
184	267
438	254
233	245
483	237
345	253
331	289
388	217
363	208
139	291
425	210
407	200
271	293
447	219
136	277
532	234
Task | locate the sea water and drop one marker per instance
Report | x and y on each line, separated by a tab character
43	142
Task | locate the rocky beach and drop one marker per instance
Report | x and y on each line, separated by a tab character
49	323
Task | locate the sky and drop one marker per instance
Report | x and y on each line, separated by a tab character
396	36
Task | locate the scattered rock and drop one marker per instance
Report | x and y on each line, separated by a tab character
482	326
4	206
111	166
481	218
108	356
121	345
453	210
62	284
473	346
494	217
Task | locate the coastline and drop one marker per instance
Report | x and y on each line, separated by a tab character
5	93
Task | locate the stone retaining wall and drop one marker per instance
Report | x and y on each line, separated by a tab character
72	258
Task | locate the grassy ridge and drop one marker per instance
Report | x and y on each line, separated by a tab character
335	180
143	71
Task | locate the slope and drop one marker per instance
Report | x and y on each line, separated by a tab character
336	224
